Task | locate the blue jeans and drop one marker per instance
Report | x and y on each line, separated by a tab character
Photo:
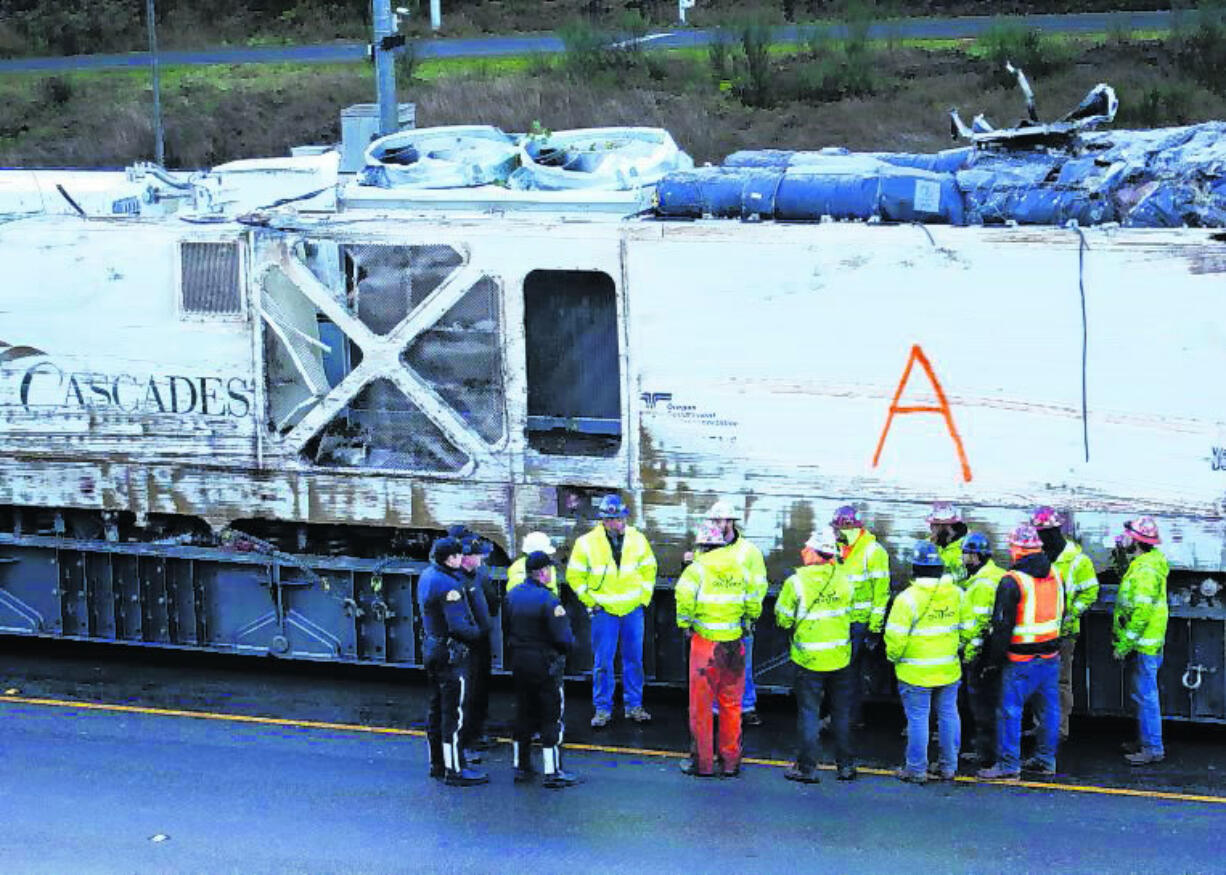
607	631
917	702
811	688
1143	684
1019	682
749	700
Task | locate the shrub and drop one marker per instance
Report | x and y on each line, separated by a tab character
719	55
1200	49
1025	48
756	43
75	29
585	47
1161	104
55	90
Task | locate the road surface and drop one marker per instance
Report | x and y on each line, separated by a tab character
496	46
114	766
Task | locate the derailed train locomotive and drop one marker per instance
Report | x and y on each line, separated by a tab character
235	407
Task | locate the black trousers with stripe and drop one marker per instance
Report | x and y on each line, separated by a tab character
539	697
445	720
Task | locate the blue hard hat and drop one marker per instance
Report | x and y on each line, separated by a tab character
977	542
925	554
476	546
612	508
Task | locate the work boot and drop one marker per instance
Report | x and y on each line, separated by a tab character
732	773
559	780
438	759
751	718
525	776
602	719
689	767
936	774
1130	747
908	777
1144	758
638	714
465	778
999	773
1036	766
803	776
847	773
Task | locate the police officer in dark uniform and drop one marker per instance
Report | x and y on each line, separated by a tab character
482	598
450	631
540	638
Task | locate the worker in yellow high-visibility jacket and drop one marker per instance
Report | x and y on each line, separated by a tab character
613	572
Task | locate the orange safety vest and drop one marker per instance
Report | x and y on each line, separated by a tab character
1038	613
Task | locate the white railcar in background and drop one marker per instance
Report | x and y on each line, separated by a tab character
342	376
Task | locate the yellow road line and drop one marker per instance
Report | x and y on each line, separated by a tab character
211	715
588	748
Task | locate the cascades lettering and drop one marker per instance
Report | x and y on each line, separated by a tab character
46	385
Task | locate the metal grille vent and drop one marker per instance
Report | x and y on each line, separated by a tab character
210	279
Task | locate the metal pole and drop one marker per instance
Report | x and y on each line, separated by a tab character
436	14
385	67
159	148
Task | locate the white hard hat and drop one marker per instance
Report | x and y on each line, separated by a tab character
538	541
823	540
723	510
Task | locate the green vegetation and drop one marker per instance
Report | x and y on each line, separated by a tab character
37	27
835	87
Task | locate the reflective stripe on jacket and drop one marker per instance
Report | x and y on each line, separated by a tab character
754	564
922	632
867	565
715	596
518	573
1080	586
979	598
598	582
1039	612
815	603
1141	610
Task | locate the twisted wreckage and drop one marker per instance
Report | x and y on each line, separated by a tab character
235	405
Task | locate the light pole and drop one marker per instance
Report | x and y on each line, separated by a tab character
159	148
385	66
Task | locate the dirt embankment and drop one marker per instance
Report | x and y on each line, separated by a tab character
812	101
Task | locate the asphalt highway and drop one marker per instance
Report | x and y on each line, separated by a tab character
217	766
494	46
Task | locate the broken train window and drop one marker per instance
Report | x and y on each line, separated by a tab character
445	390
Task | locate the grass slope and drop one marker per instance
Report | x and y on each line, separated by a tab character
814	95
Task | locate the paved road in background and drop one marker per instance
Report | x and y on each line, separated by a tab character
495	46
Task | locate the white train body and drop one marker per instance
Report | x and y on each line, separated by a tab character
365	359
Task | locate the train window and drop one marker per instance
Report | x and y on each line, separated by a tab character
361	387
385	283
574	374
382	428
460	357
210	282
